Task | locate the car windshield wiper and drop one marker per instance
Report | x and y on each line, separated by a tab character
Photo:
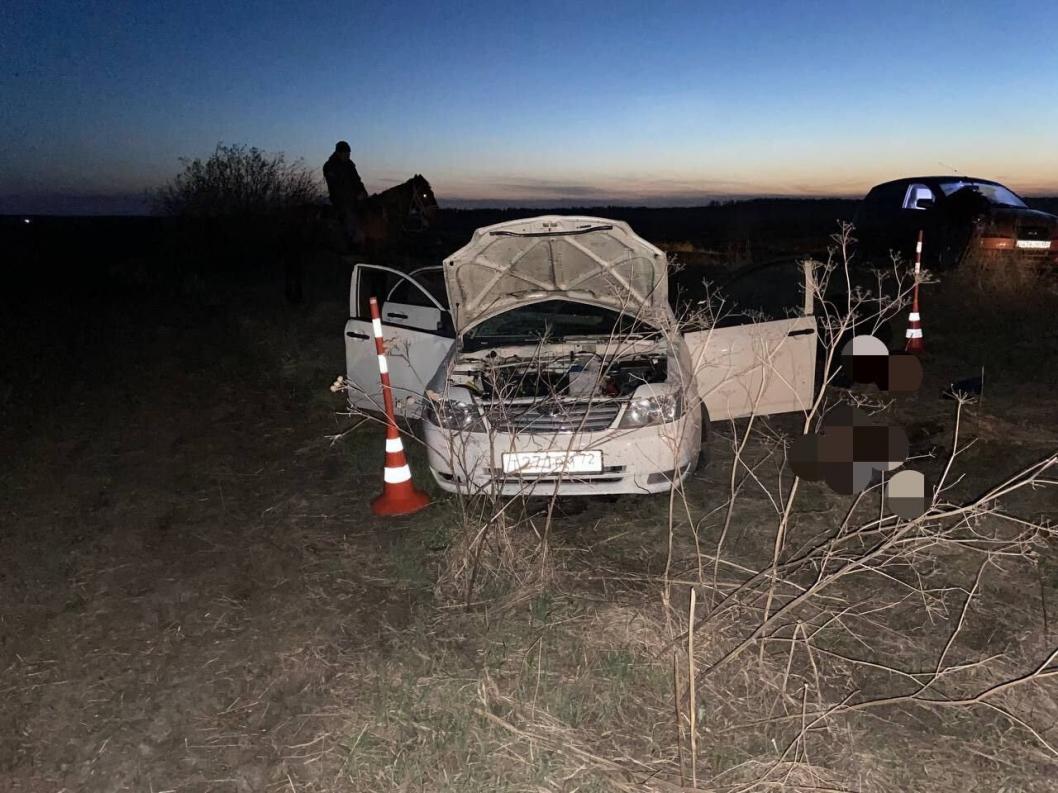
480	342
626	334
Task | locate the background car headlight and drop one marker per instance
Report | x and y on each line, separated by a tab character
453	415
645	411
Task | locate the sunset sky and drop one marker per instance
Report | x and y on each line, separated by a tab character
566	103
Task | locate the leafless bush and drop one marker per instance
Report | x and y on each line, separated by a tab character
237	181
497	551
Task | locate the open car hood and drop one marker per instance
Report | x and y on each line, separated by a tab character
555	257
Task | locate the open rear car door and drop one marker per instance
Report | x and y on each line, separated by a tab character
761	367
417	329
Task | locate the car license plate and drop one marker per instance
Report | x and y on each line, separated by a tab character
589	462
1037	245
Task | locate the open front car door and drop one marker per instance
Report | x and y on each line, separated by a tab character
417	329
758	367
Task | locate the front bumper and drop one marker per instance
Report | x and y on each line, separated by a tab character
642	460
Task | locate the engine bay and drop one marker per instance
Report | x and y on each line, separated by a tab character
576	374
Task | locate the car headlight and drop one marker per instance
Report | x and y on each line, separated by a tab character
659	409
453	415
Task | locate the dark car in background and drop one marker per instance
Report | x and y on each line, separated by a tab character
959	216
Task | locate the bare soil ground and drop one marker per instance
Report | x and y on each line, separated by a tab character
195	596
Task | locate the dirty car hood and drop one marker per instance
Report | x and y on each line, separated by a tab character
583	259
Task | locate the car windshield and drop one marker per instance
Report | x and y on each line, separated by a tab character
553	320
994	193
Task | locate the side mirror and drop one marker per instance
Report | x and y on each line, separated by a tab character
924	203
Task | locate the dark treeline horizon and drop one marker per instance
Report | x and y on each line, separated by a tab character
120	206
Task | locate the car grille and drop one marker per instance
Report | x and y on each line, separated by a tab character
553	416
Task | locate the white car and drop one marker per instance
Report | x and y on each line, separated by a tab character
544	357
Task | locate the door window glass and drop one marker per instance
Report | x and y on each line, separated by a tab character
411	305
415	294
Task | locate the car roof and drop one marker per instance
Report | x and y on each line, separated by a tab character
927	179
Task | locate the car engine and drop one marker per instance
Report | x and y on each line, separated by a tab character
572	375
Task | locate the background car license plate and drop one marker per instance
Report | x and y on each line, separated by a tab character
553	462
1034	244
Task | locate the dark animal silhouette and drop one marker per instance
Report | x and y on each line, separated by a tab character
392	216
391	221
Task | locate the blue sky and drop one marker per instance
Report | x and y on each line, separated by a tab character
568	102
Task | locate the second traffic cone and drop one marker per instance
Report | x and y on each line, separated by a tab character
915	343
399	494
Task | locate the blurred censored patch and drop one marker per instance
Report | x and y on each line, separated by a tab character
851	452
906	494
866	359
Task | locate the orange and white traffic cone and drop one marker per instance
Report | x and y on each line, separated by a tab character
399	494
915	343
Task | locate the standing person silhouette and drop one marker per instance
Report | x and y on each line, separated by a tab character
347	192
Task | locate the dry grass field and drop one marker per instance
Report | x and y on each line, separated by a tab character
195	596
